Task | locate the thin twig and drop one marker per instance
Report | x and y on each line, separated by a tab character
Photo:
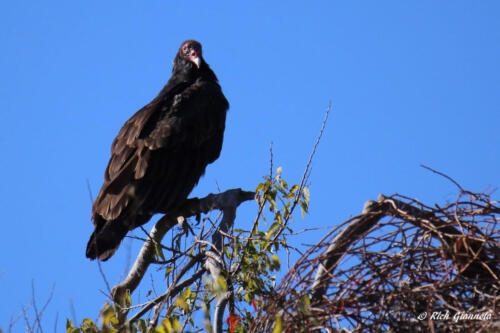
169	293
305	177
445	176
108	288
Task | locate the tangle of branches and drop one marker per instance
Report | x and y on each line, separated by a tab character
400	266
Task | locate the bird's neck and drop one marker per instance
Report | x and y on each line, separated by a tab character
185	71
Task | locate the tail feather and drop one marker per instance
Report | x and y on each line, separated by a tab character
105	240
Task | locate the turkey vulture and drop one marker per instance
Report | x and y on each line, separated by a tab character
161	152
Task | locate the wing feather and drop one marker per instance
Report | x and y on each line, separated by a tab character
155	167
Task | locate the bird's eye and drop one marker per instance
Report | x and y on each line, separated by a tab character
185	50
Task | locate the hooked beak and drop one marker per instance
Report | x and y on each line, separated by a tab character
195	60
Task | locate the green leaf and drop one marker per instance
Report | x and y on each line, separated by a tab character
89	323
222	283
186	293
276	260
70	328
306	195
303	208
176	325
159	252
161	329
278	326
108	315
181	303
166	325
268	262
270	232
128	299
304	304
290	195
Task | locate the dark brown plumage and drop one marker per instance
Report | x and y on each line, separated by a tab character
161	152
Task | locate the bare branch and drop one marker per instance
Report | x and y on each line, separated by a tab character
398	259
229	199
350	234
445	176
217	326
169	293
35	308
305	175
173	285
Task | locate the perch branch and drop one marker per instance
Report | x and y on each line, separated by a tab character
214	263
219	312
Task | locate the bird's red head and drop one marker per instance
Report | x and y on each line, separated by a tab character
191	50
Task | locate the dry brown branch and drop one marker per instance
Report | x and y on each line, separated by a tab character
394	264
350	234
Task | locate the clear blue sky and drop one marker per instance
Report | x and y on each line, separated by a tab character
411	82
